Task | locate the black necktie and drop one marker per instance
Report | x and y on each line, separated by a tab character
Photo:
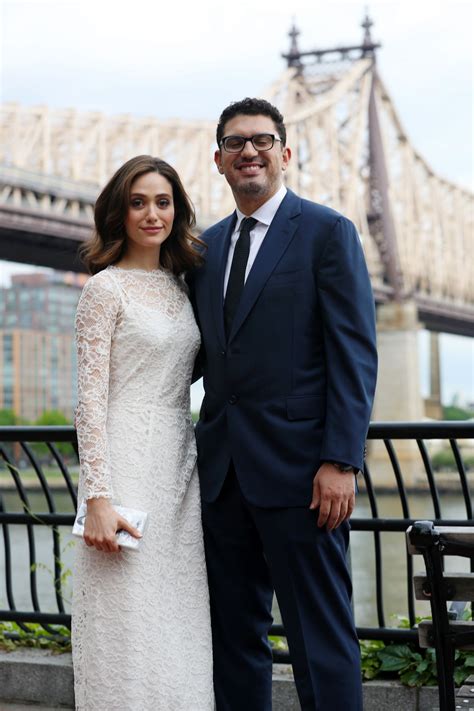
236	281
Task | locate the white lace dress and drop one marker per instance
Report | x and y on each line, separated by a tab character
141	624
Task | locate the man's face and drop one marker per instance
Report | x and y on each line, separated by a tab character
253	175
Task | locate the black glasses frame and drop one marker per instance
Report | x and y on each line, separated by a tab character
251	139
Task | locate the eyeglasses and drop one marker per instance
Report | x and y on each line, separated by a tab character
261	142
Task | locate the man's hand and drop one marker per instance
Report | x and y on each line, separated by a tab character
102	523
334	493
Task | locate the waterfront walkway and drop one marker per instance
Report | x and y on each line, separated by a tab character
34	677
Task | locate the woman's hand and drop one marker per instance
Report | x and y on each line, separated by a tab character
101	525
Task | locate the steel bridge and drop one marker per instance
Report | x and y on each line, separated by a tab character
350	151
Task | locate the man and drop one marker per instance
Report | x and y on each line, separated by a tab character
289	362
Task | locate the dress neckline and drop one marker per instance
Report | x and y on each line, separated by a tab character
136	269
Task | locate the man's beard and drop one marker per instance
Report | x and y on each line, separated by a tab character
249	188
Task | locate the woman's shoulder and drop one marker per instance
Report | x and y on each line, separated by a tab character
102	280
100	285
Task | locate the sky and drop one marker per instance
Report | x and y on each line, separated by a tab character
188	60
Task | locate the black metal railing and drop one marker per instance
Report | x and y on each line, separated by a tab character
18	453
421	433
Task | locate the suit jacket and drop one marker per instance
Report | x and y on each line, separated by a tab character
293	386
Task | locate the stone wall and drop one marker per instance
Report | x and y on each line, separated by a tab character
37	676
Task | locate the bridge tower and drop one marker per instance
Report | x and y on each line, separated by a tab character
398	395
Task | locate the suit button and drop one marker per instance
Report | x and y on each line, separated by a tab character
222	354
233	399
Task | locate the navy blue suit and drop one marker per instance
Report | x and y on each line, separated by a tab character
291	387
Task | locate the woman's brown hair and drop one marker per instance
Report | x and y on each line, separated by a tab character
179	253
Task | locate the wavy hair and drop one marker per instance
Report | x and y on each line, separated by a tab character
180	252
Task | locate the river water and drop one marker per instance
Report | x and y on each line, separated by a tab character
362	556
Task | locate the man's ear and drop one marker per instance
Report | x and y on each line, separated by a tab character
218	162
286	157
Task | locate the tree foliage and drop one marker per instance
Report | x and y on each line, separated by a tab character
454	412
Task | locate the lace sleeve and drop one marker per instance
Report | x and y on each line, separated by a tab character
95	322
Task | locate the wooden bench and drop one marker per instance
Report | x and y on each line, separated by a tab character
465	695
445	632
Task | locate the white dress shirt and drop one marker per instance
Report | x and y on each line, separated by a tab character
264	215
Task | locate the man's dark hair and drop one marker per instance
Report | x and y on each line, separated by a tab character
251	107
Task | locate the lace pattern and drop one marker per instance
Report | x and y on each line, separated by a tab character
134	614
95	323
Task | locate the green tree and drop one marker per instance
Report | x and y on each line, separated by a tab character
52	418
454	412
8	418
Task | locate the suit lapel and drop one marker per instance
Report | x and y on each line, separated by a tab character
216	264
277	240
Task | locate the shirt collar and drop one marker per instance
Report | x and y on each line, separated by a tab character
265	212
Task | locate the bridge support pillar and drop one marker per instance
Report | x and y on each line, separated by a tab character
433	407
398	395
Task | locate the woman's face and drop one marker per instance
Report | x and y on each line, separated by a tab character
150	214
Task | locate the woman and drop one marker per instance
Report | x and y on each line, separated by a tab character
141	628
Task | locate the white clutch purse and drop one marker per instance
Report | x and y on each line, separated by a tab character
138	519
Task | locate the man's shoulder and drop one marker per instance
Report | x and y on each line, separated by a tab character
213	230
324	214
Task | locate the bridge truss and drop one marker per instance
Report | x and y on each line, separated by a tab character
350	151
